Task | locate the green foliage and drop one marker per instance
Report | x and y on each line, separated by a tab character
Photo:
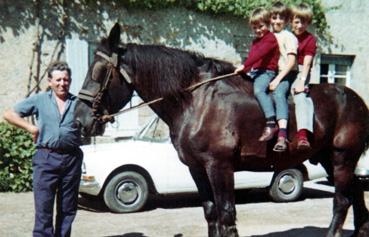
16	151
241	8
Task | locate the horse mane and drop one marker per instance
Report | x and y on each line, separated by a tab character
166	71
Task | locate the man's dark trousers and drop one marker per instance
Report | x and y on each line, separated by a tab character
55	174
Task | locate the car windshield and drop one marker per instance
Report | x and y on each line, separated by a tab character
156	131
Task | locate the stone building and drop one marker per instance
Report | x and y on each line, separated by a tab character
33	33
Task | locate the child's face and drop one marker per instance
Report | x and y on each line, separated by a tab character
260	29
299	26
278	23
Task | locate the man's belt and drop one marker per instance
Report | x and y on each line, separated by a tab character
58	150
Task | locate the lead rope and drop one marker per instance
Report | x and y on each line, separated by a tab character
108	117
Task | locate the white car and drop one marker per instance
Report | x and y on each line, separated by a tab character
125	173
362	169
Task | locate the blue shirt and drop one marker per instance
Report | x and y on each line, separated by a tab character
55	131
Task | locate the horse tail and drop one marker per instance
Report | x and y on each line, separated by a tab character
362	115
367	131
351	117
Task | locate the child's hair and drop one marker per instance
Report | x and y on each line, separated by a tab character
259	15
279	8
303	11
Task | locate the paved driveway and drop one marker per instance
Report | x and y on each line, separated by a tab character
182	216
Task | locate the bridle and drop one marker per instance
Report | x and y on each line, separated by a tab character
96	98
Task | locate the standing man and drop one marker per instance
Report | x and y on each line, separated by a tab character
57	161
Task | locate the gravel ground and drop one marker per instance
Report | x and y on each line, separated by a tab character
182	216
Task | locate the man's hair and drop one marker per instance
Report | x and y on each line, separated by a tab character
279	8
60	66
303	11
259	15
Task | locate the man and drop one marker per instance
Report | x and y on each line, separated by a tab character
57	161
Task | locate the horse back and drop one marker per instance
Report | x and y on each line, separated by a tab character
341	117
226	119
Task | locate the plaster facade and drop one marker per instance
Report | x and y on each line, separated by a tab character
349	26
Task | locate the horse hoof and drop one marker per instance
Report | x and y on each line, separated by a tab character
363	232
231	231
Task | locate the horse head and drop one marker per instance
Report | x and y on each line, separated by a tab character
106	88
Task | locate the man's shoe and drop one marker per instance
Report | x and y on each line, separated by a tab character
268	133
281	145
303	144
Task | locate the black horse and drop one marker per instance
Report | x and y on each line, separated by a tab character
215	127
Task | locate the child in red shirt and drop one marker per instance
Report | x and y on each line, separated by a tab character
262	64
302	16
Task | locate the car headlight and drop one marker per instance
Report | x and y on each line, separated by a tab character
88	178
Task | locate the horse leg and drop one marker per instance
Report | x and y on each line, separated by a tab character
221	176
206	194
343	171
361	215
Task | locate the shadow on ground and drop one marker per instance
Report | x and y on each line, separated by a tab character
94	204
133	234
308	231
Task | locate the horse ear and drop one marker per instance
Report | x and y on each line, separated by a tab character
114	36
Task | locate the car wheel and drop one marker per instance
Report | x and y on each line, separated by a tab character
286	186
126	192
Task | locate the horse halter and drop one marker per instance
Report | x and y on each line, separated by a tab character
96	98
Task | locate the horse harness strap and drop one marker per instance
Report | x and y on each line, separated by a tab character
86	95
114	61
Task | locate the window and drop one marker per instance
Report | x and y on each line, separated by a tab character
336	69
76	57
156	131
80	54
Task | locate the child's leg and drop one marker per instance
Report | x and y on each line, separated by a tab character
261	85
304	111
281	102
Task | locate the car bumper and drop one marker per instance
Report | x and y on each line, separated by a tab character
362	174
89	185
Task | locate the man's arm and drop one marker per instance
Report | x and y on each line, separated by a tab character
13	117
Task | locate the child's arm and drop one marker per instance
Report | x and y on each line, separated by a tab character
291	58
239	69
300	85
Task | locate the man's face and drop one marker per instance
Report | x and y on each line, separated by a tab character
59	83
299	26
260	29
278	23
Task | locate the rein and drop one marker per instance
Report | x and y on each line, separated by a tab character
190	88
113	61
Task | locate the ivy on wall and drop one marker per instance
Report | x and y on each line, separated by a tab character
241	8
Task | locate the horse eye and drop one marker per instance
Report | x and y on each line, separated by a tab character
98	71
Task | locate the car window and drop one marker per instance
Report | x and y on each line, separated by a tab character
157	131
